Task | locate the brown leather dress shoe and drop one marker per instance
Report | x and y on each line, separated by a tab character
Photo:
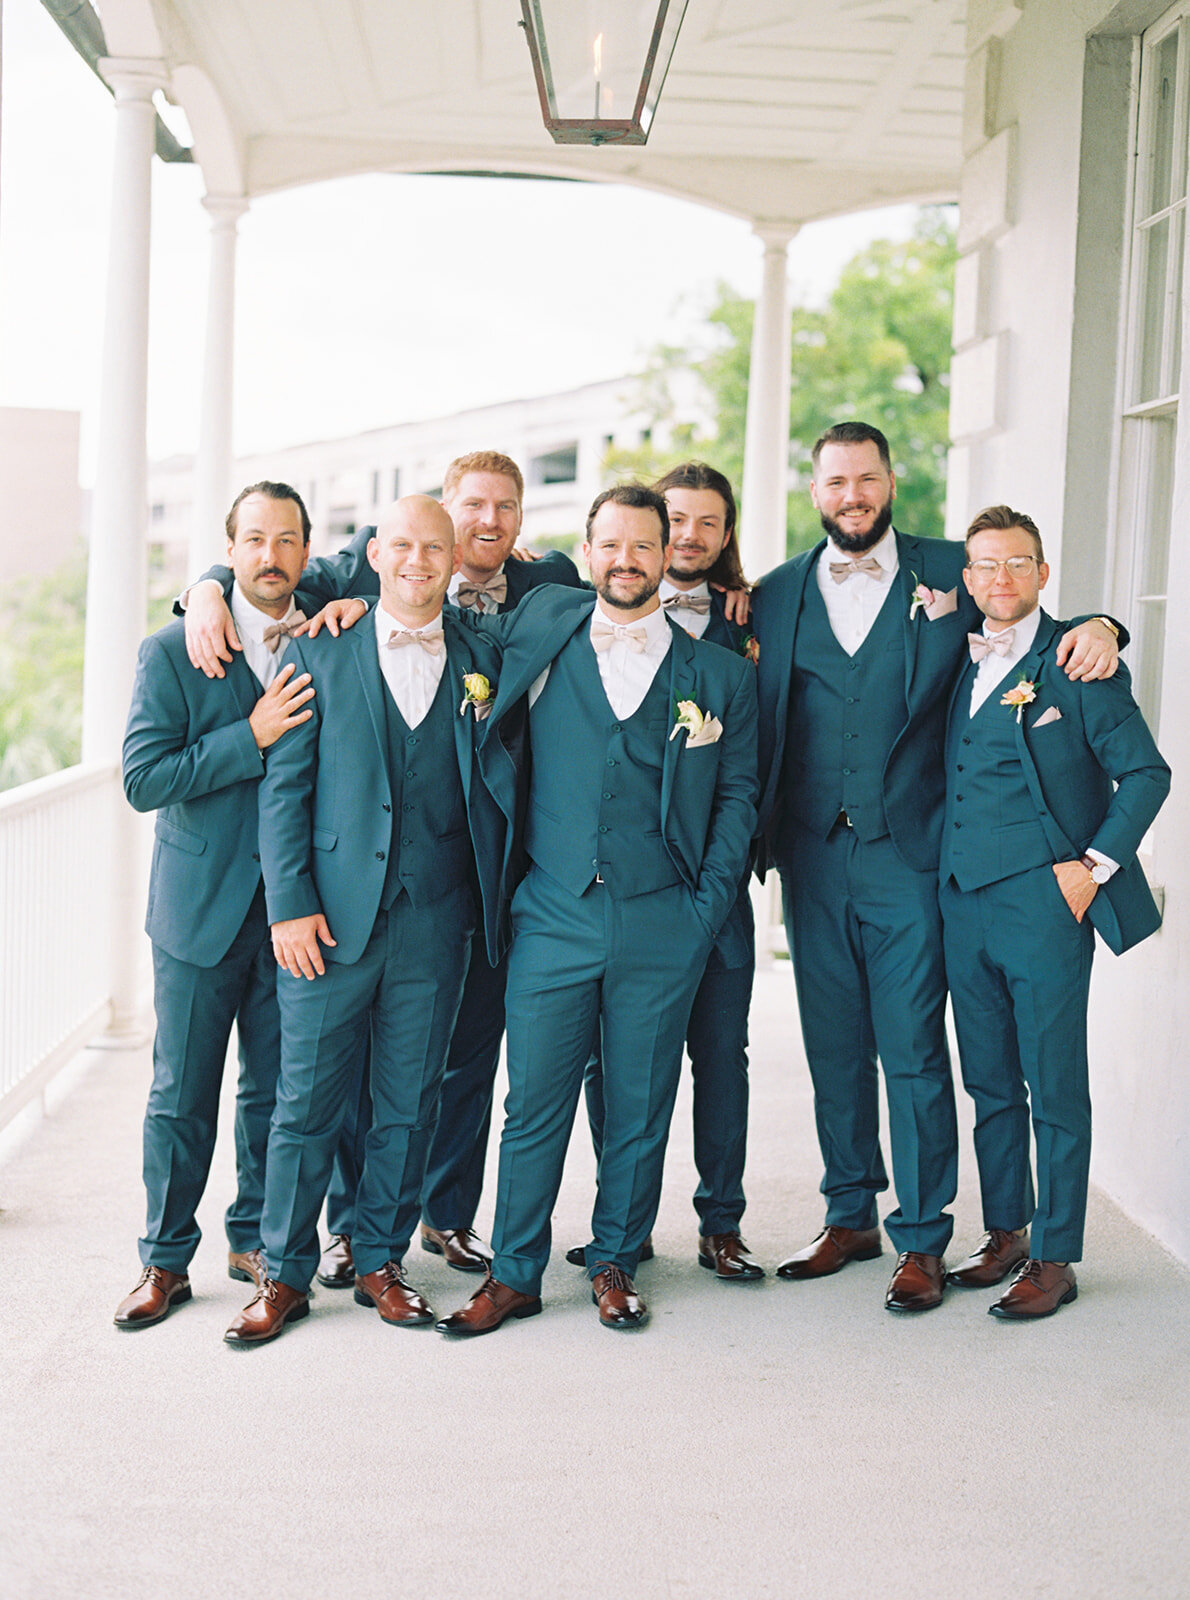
916	1283
613	1292
1038	1289
832	1250
247	1266
266	1314
396	1302
154	1297
490	1305
992	1259
577	1254
727	1255
336	1268
463	1249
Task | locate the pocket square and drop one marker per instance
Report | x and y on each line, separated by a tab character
1052	715
942	605
710	733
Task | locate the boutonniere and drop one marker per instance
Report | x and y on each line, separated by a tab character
700	729
1023	695
749	648
934	602
477	694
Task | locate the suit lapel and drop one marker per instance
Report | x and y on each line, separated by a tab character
525	668
459	662
683	685
367	665
245	684
908	562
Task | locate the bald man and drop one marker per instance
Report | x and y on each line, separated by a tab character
381	850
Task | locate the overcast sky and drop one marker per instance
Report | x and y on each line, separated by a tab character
361	302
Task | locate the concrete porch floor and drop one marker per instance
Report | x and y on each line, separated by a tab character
786	1440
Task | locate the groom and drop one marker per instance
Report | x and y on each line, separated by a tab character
640	810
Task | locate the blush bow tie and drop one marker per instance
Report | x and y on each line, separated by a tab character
430	642
983	645
605	634
276	631
700	604
842	570
470	595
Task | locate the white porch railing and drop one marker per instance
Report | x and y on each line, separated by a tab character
58	926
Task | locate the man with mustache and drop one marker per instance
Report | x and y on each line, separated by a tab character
196	750
860	639
704	561
640	810
483	492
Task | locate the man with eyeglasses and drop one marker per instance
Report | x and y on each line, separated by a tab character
860	639
1038	849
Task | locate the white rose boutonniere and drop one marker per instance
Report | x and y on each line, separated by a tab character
700	729
477	695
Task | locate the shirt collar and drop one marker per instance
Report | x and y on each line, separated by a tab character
385	624
700	590
1024	633
250	620
655	625
884	551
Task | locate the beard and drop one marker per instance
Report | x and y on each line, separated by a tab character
626	599
857	543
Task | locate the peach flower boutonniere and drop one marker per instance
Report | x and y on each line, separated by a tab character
1023	695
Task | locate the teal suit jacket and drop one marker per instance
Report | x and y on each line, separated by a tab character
708	794
914	788
1095	775
190	755
326	804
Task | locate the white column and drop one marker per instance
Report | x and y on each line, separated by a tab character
766	436
212	468
116	580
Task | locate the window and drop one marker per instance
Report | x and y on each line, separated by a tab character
1153	351
555	466
376	488
396	483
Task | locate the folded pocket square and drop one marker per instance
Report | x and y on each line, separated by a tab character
942	605
1052	715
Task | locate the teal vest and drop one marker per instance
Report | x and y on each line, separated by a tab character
845	713
430	853
595	800
991	829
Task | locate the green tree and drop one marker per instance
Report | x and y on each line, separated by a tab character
878	351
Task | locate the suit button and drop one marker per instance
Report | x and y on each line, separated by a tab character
966	740
958	824
380	855
384	806
958	797
255	857
959	768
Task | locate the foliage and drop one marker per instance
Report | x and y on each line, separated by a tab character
879	351
42	622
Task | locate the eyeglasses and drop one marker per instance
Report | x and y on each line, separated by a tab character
1015	566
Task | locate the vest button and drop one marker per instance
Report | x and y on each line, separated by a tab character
602	829
846	772
411	773
850	699
406	841
255	857
380	855
384	806
849	736
608	795
412	739
616	728
406	808
610	762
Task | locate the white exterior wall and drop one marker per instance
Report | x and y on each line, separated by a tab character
335	476
1028	260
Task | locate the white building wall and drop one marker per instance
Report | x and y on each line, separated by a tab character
1034	403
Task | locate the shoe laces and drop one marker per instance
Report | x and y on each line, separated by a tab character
1031	1270
616	1277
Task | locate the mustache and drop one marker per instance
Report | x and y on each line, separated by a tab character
625	572
270	572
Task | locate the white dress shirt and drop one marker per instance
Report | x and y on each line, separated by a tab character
411	673
993	670
250	624
626	674
853	605
694	622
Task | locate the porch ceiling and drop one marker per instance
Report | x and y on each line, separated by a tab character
773	109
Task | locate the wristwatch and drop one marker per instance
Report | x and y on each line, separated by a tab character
1109	625
1099	870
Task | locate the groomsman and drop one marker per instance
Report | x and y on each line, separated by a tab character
195	750
860	639
483	492
1050	788
381	844
704	551
640	810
